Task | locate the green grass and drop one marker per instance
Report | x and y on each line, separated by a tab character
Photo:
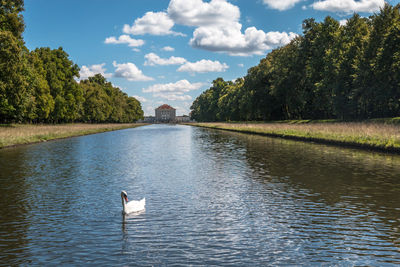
17	134
394	120
383	134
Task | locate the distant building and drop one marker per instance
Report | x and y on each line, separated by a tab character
149	119
165	113
184	118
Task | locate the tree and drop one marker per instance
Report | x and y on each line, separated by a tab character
332	71
105	103
13	82
11	19
60	73
43	101
14	94
372	92
353	41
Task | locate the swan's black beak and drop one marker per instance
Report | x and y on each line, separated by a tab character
126	198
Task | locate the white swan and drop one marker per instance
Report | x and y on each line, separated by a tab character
131	206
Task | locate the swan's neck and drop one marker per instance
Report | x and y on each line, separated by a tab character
123	205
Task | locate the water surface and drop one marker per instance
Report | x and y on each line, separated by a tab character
213	197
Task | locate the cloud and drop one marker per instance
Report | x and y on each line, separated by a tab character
218	28
130	72
281	4
183	108
149	110
155	23
168	48
173	97
140	98
90	71
124	39
173	91
179	87
349	6
203	66
153	59
240	65
199	13
231	40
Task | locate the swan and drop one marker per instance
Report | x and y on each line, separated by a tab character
133	205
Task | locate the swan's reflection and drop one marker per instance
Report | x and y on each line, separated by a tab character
129	219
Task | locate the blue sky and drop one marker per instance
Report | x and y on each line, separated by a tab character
169	51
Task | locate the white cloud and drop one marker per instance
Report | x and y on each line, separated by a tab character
149	110
203	66
218	28
124	39
153	59
231	40
130	72
349	6
183	108
179	87
156	23
89	71
168	48
241	65
120	87
140	98
281	4
199	13
173	97
173	91
343	22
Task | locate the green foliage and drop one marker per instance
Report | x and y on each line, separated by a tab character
59	72
40	86
13	82
11	19
349	72
105	103
14	95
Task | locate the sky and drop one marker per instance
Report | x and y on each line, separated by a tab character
170	51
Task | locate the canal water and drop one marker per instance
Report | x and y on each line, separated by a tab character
212	198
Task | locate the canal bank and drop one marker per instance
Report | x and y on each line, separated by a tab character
21	134
375	136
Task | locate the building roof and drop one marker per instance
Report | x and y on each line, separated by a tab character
165	106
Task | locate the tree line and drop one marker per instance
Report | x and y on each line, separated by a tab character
40	86
331	71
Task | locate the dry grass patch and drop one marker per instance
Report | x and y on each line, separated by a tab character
368	134
26	133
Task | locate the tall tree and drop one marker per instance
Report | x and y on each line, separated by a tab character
371	92
60	73
11	19
14	94
353	42
105	103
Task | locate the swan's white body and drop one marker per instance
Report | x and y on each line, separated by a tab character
133	205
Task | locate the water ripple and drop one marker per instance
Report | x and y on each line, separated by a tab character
213	198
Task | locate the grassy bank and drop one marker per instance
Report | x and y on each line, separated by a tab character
17	134
369	135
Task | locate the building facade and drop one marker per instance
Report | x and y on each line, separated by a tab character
165	113
182	119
